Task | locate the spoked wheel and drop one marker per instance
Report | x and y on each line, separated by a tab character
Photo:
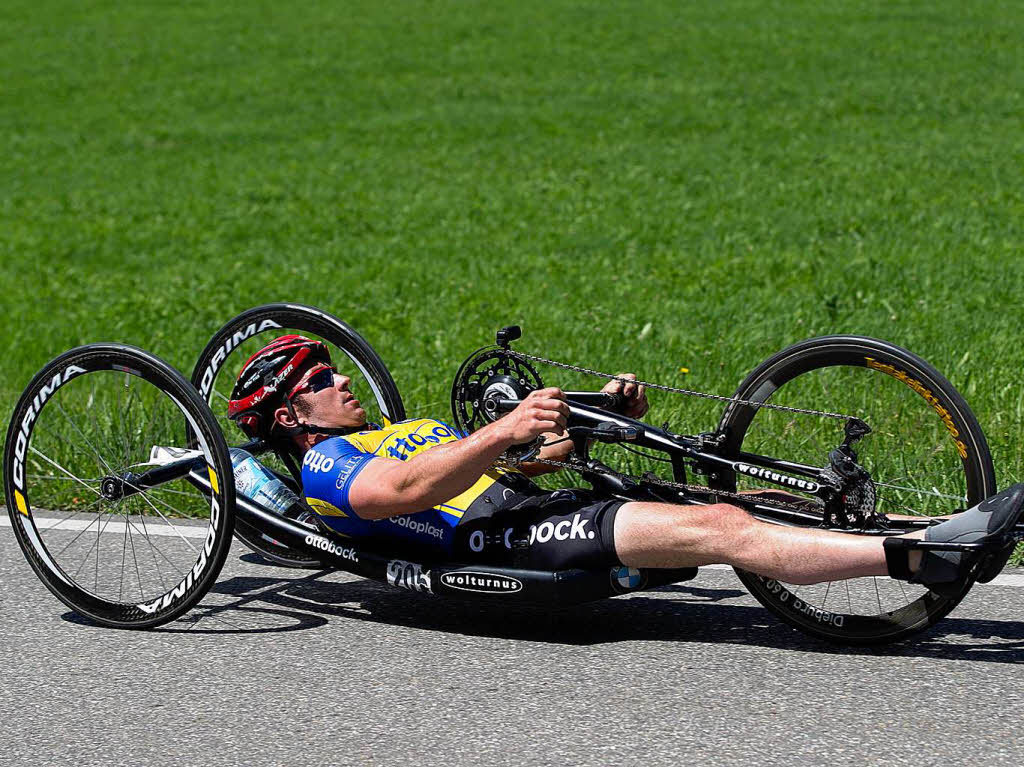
926	455
108	540
218	365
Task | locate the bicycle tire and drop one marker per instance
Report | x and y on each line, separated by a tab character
272	320
938	427
45	512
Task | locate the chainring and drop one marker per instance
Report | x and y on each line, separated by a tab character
488	375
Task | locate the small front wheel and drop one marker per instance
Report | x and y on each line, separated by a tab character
108	542
926	456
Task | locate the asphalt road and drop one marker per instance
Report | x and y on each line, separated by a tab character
298	667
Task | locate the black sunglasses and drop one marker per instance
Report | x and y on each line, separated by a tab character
320	380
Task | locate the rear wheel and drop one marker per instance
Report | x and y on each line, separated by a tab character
219	364
926	455
113	549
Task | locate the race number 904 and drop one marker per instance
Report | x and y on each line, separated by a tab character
408	575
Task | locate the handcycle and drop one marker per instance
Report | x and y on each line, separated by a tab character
121	492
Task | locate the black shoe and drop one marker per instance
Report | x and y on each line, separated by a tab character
991	522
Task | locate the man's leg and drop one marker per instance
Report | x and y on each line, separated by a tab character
665	535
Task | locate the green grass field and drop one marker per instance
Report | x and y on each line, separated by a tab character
641	185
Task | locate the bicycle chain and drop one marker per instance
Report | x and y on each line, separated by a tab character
701	489
689	392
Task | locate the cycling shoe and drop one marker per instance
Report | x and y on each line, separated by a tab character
947	573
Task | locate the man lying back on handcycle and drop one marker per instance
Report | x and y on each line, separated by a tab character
422	484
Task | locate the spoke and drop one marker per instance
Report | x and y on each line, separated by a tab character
933	492
177	532
878	596
900	584
226	399
145	437
96	587
169	561
120	415
131	541
82	435
169	490
74	514
61	468
124	553
80	532
824	599
849	599
63	439
99	532
152	547
912	512
145	492
54	478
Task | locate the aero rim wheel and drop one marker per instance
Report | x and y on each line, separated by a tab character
89	426
218	365
926	455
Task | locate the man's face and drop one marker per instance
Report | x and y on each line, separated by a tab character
333	406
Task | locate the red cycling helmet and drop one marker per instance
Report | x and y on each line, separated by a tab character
271	376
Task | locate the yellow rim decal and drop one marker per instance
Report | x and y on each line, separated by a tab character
20	500
213	480
931	399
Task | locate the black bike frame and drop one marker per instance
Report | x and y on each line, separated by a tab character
425	574
551	588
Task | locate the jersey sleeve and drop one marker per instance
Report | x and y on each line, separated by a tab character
328	471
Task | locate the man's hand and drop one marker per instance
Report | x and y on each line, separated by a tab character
542	411
636	400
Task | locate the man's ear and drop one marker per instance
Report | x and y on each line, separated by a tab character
283	417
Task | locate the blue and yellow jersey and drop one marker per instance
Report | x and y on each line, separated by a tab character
330	468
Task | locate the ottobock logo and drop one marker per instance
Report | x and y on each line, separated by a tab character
409	575
318	542
21	441
485	583
773	476
186	584
317	462
418	526
566	530
224	349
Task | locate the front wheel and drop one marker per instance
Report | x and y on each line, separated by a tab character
101	532
926	455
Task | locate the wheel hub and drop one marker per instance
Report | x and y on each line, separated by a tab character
114	488
497	388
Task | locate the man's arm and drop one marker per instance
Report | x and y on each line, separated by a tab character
386	488
636	406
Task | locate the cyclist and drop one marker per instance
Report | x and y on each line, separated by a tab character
421	485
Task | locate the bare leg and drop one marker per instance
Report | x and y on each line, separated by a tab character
665	535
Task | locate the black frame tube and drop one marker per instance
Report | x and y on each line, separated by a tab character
486	582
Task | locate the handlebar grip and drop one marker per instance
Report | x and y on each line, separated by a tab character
614	401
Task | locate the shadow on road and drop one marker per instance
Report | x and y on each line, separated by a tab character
678	613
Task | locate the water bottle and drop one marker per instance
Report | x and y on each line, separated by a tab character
258	483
